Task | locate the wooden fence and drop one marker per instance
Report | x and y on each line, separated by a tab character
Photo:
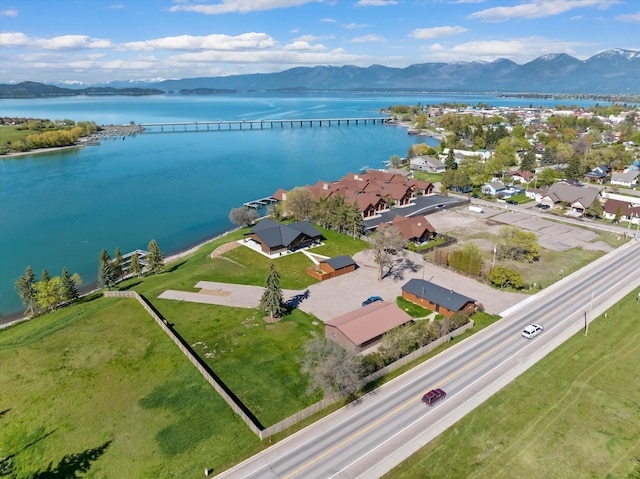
236	405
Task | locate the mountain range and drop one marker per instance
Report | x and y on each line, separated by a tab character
614	72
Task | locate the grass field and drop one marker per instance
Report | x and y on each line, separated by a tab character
99	388
576	414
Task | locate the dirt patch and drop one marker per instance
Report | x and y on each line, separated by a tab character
215	292
222	249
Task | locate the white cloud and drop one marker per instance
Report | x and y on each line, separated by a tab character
436	32
329	20
376	3
355	26
631	18
14	39
300	45
538	9
368	39
208	42
238	6
9	12
116	6
520	50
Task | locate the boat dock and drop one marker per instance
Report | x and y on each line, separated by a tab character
257	204
228	125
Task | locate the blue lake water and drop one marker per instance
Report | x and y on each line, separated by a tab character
60	209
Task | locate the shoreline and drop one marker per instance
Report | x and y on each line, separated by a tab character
106	132
17	317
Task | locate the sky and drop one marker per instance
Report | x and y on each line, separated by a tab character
96	41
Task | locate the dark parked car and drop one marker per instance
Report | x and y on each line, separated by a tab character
371	299
511	202
433	396
545	207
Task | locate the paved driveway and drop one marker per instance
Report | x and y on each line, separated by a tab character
339	295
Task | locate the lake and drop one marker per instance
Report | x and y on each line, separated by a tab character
60	209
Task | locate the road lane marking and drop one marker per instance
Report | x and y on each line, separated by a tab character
457	372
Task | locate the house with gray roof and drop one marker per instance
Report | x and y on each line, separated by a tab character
436	298
332	267
427	163
275	237
627	178
493	188
577	198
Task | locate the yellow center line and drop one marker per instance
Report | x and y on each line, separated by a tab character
413	400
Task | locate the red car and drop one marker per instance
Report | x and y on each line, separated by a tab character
433	396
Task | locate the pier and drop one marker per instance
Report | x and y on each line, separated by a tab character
262	202
236	125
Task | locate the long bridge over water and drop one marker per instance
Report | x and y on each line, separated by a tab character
226	125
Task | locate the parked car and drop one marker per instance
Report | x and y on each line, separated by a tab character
539	205
511	202
433	396
532	331
545	207
371	299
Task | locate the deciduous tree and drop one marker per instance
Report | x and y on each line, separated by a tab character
49	293
331	367
299	203
503	277
243	216
518	245
384	246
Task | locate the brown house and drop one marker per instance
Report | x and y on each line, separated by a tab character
332	267
364	327
436	298
416	228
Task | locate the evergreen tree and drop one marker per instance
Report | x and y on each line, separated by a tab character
548	157
272	301
574	168
450	162
135	268
26	290
528	162
595	209
45	276
106	275
117	264
155	260
69	287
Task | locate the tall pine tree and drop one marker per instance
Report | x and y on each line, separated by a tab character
117	264
69	287
106	274
25	286
155	260
272	301
134	267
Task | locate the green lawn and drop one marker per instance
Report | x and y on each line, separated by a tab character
576	414
258	361
100	382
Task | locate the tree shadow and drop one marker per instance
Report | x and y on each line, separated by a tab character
2	413
72	464
296	300
130	285
399	267
174	266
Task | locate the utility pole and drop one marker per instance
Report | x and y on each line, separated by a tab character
493	265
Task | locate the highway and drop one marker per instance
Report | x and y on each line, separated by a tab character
368	438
